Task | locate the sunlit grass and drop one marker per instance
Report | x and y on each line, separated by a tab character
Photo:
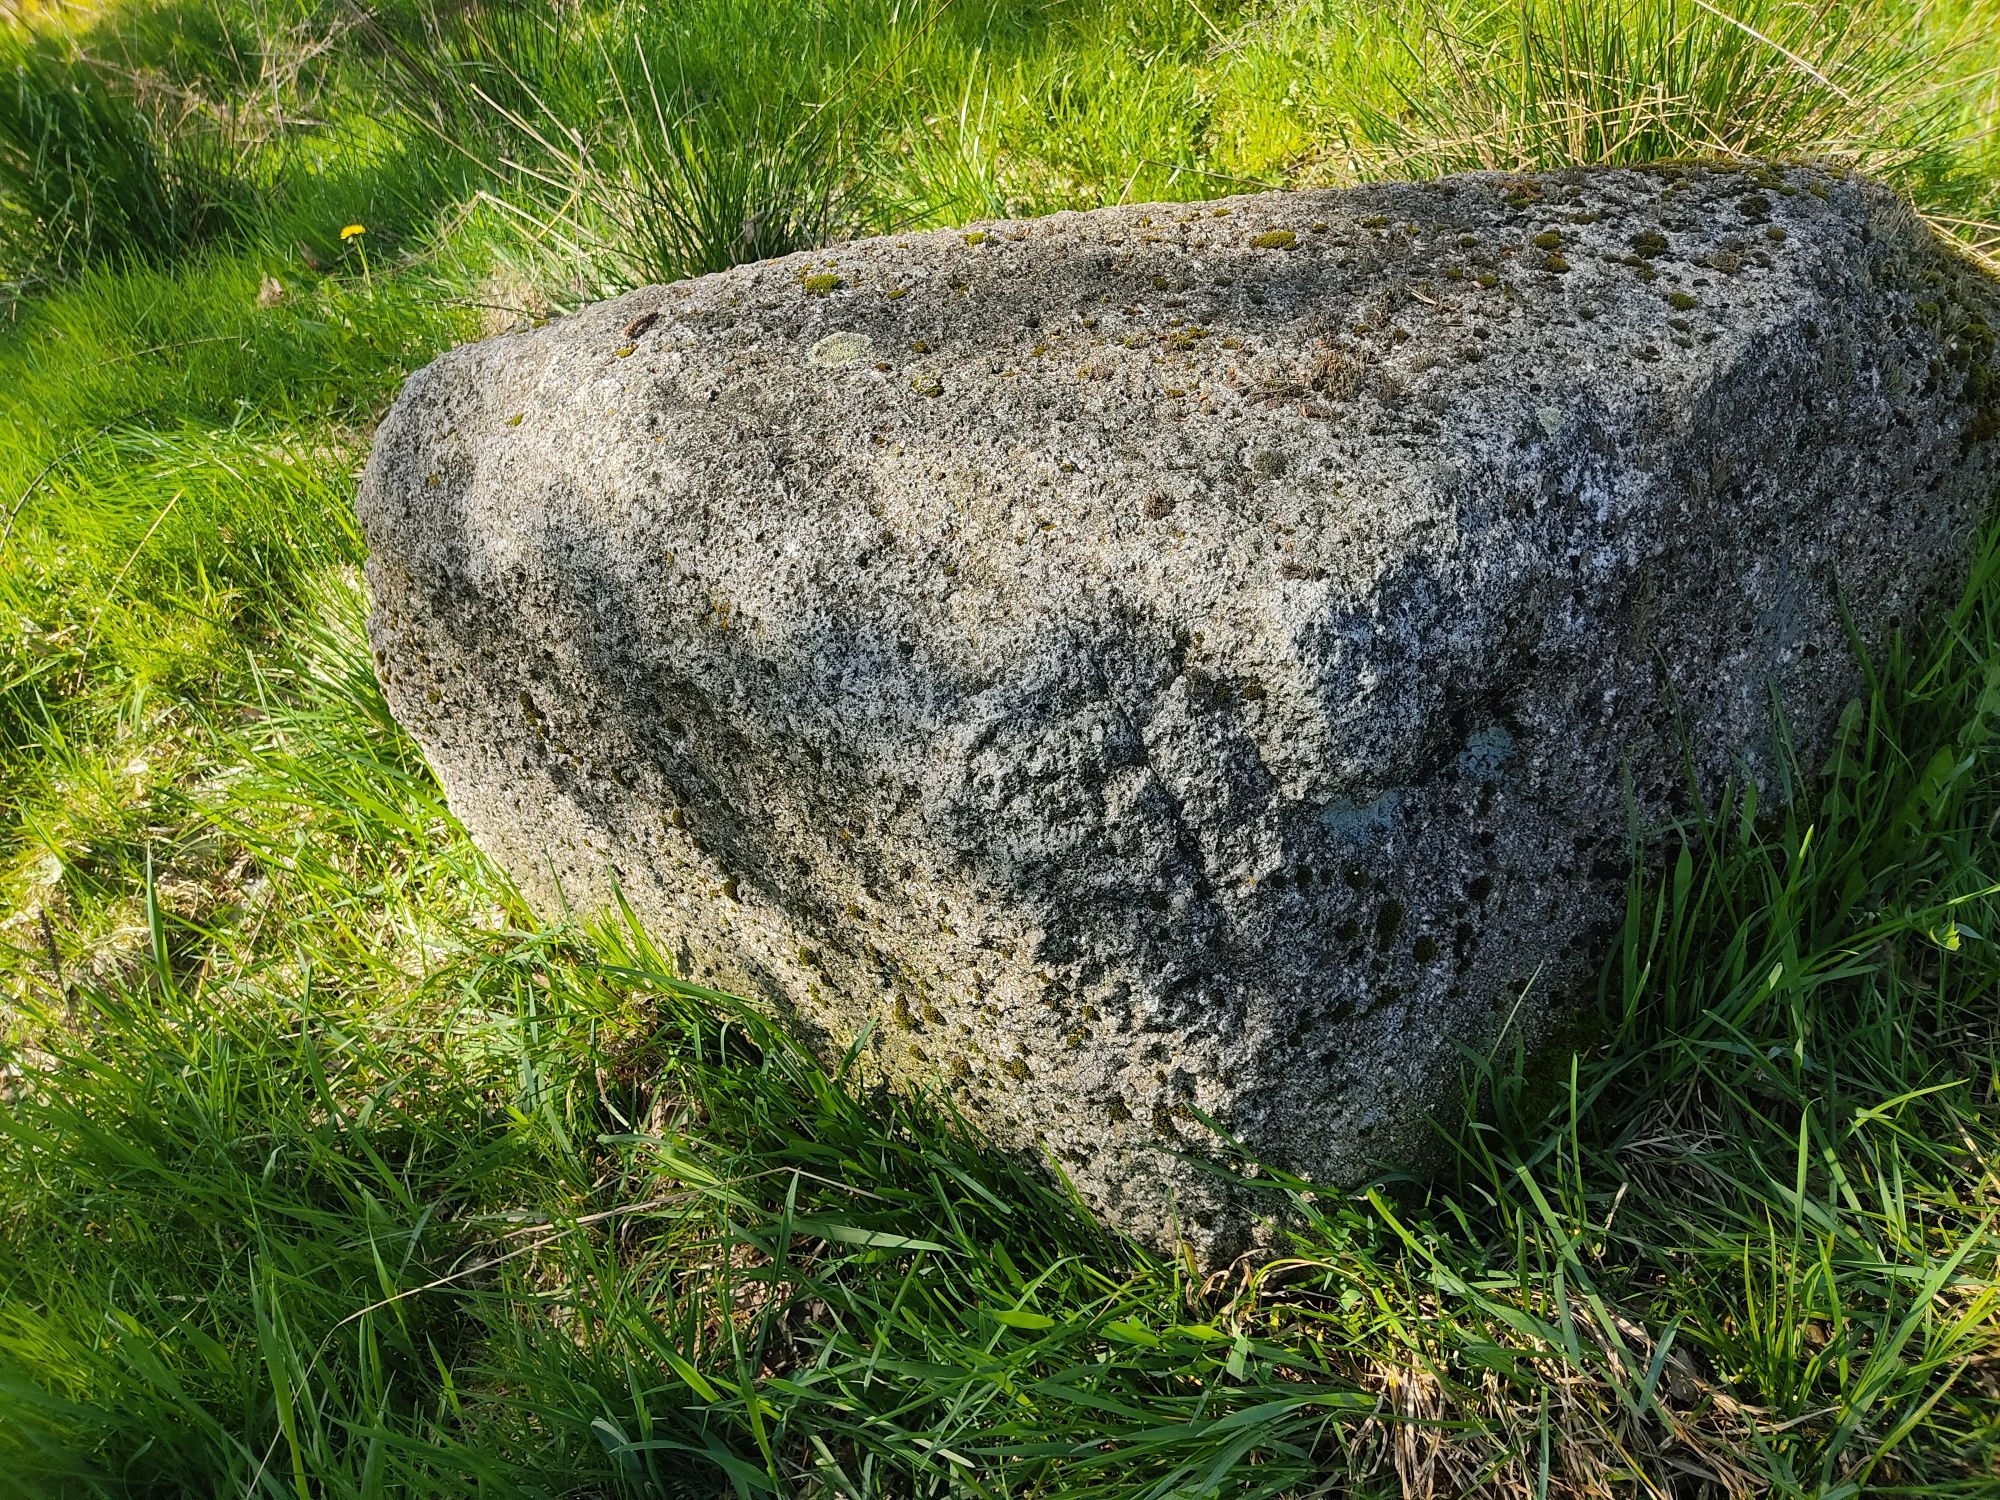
328	1169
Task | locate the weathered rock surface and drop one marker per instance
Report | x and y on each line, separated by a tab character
1179	660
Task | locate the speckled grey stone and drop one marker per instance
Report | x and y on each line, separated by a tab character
1185	659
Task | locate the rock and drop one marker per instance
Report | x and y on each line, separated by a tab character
1180	664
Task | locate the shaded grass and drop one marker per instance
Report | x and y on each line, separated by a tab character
86	176
326	1169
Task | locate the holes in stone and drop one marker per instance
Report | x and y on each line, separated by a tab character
1388	922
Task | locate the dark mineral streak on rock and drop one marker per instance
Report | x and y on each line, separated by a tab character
1182	658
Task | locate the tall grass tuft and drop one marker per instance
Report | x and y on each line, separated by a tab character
86	175
615	153
1537	84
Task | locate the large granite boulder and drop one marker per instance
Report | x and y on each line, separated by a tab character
1181	665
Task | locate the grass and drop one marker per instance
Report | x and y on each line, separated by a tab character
327	1169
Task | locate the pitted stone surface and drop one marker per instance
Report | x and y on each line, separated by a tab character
1182	660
